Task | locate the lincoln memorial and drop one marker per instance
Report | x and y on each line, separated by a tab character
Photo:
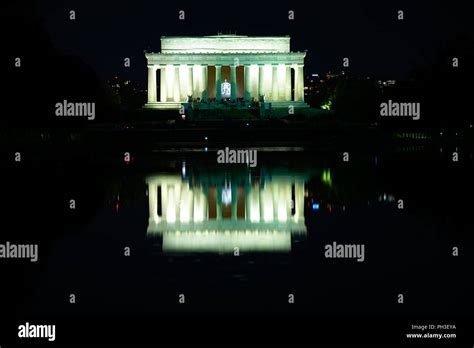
213	69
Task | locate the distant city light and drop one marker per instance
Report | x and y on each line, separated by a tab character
315	206
327	105
326	177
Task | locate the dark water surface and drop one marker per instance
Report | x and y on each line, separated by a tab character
237	241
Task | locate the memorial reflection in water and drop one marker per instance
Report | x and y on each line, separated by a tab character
227	211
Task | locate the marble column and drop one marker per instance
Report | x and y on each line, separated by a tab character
254	81
274	83
190	81
299	83
247	82
233	82
281	82
170	72
151	84
183	82
218	81
176	85
163	92
261	80
268	83
288	83
196	81
204	86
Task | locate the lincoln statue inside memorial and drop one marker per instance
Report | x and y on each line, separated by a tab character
225	68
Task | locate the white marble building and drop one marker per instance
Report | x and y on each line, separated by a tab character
197	67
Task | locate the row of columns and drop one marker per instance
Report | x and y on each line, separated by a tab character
177	82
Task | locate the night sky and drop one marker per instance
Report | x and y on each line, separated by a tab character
369	33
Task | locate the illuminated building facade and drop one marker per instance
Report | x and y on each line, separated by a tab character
196	67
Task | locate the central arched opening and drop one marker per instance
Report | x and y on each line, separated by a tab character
226	76
225	73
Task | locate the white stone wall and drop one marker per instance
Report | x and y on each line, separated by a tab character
184	62
225	44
